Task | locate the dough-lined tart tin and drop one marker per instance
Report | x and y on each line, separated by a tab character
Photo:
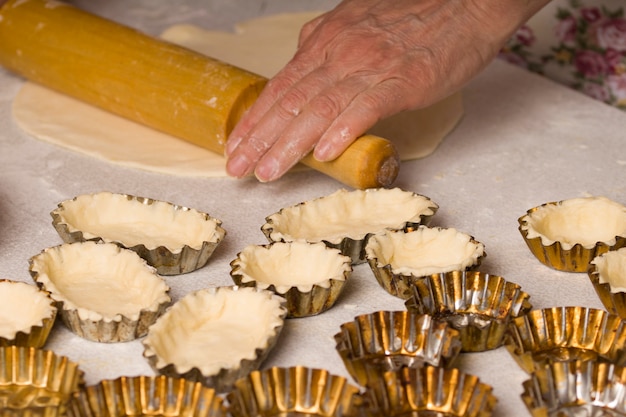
147	396
36	382
576	388
104	293
428	391
345	219
607	273
216	335
375	343
567	235
566	333
27	314
310	276
172	238
293	391
398	257
479	305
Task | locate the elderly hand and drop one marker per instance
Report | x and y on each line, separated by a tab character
362	62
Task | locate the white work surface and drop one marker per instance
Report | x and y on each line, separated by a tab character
524	141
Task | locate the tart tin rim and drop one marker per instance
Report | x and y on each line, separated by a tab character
167	261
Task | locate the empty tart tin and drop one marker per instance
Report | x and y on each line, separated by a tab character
479	305
345	219
576	388
607	273
564	334
27	314
147	396
174	239
568	234
36	382
428	391
294	391
384	341
398	257
216	335
104	293
310	276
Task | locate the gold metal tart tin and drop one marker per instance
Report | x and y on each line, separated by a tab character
147	396
555	255
480	306
185	313
51	267
399	284
38	333
302	300
576	388
295	391
613	298
275	231
565	334
388	340
165	260
36	383
428	391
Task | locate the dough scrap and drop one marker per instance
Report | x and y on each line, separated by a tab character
262	45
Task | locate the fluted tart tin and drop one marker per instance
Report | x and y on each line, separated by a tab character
607	273
174	239
216	335
294	391
27	314
345	219
576	388
382	341
36	382
477	304
310	276
129	396
104	293
397	257
567	235
428	391
566	333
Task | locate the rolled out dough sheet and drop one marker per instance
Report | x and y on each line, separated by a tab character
262	45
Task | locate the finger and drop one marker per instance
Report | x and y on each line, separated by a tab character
248	148
359	115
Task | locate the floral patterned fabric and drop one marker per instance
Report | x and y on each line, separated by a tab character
578	43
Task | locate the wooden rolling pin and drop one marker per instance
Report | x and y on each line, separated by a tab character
158	84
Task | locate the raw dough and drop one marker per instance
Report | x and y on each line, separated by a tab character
261	45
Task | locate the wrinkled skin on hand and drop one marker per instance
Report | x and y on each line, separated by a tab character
361	62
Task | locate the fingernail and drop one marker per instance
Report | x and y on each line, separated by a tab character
268	170
321	152
231	144
238	167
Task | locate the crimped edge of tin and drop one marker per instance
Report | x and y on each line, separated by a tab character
90	324
352	247
298	389
477	304
148	395
566	333
399	284
224	379
167	261
382	341
48	380
430	389
573	385
308	301
37	335
613	299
